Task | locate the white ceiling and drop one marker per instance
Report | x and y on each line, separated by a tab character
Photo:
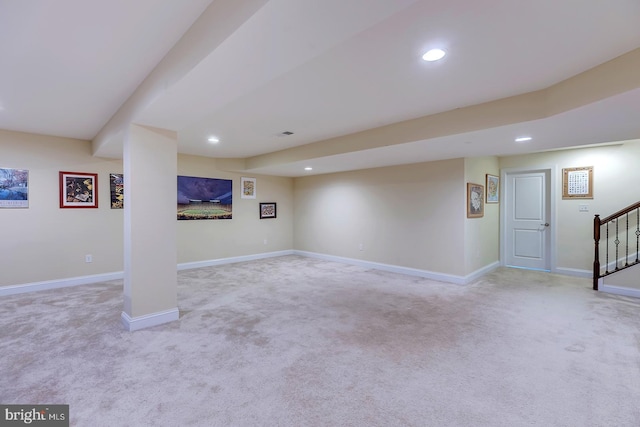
319	68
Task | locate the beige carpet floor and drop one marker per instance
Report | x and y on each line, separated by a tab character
296	341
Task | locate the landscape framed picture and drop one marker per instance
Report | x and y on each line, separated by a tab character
14	188
204	198
78	190
493	189
267	210
475	200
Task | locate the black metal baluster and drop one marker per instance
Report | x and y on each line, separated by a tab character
626	239
606	265
617	242
637	233
597	228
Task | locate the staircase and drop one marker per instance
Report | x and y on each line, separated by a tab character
620	235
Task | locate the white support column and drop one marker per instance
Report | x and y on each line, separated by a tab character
150	252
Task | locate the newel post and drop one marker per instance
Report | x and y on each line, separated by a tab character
596	259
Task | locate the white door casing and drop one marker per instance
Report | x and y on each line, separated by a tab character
527	220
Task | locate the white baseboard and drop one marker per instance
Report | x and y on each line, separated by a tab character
61	283
441	277
232	260
574	272
97	278
617	290
148	320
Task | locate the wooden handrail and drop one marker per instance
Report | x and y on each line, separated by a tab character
620	213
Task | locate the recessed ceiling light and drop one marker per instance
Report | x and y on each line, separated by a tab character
308	168
284	134
434	55
523	139
213	139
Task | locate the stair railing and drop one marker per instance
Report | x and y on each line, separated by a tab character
622	241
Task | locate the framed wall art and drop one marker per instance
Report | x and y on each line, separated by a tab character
14	188
248	187
204	198
475	200
116	185
577	183
267	210
78	190
493	189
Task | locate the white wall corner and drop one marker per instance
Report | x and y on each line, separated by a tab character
148	320
481	272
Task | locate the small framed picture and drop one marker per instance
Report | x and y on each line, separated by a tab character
78	190
14	188
248	186
267	210
577	183
475	200
493	189
116	184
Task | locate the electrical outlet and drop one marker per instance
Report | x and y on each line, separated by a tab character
361	247
265	241
88	258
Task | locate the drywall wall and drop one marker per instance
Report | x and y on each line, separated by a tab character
245	233
615	174
481	235
150	250
410	216
45	243
627	278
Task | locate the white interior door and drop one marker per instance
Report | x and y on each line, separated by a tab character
527	220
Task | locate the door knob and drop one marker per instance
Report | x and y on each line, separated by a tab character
546	224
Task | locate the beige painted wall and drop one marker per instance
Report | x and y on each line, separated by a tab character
150	250
45	243
482	235
410	216
627	278
615	176
244	234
